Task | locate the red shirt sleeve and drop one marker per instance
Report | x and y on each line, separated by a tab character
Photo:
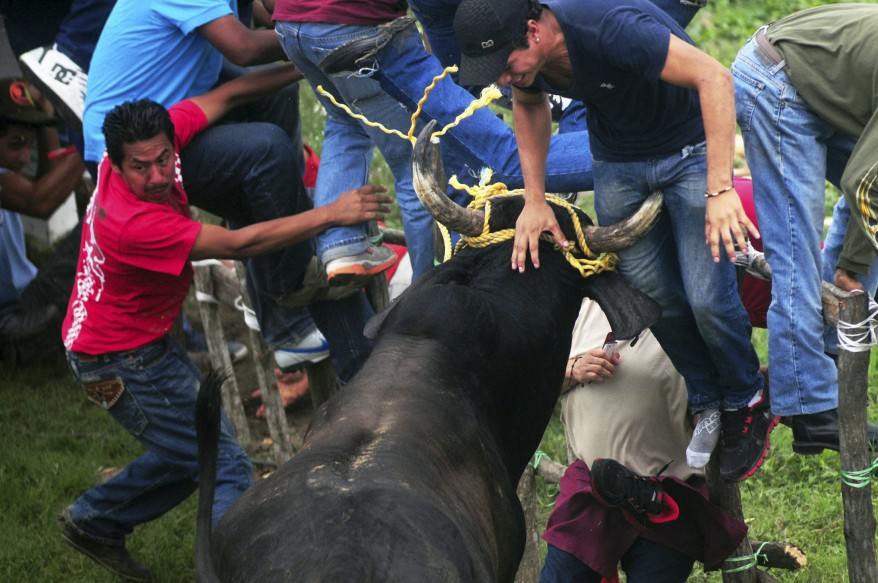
189	120
159	239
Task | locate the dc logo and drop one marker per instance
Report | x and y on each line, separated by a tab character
487	44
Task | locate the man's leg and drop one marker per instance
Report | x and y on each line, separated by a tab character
649	562
651	265
80	30
711	288
246	173
779	132
347	146
405	69
157	407
562	567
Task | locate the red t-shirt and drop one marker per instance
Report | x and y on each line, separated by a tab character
339	11
133	272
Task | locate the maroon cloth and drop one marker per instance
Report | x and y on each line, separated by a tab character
339	11
755	292
599	535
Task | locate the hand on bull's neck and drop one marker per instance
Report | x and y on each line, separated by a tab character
536	218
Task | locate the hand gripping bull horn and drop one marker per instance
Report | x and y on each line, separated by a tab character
430	184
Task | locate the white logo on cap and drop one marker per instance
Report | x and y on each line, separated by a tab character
487	44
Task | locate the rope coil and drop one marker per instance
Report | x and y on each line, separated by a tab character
859	478
859	336
748	561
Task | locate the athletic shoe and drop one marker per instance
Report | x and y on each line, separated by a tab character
355	54
311	349
744	441
641	498
704	438
352	269
113	558
59	78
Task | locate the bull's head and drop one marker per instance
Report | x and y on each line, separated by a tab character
430	184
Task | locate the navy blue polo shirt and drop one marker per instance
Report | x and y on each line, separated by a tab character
617	52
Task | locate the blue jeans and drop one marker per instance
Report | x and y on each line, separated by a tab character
347	143
157	407
404	69
259	182
832	247
703	327
780	132
79	31
644	562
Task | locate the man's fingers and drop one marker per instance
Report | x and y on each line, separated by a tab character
713	239
558	235
751	228
534	243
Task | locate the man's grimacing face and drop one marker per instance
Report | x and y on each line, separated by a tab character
148	168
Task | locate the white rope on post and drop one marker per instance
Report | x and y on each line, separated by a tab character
860	336
249	315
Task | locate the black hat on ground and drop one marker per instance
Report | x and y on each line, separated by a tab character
486	32
17	105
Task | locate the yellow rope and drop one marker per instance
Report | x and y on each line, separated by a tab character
445	72
578	255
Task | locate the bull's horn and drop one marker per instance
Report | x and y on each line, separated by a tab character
625	233
430	184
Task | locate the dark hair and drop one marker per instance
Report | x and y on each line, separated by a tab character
534	10
135	121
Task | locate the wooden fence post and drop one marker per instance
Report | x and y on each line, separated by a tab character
282	445
219	353
529	567
859	517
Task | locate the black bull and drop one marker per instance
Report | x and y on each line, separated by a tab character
409	473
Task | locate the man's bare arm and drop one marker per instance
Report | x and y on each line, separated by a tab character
354	206
687	66
227	96
533	128
240	44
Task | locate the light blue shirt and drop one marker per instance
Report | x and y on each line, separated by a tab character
150	49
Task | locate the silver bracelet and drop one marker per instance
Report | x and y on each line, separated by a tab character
709	194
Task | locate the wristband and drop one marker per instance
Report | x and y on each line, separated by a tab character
709	194
61	152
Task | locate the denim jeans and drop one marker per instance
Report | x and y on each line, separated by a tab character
347	143
832	247
246	173
703	328
404	69
260	182
787	146
644	562
79	31
157	408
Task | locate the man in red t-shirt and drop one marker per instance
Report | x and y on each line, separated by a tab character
133	274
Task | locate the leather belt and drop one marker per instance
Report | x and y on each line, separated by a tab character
768	50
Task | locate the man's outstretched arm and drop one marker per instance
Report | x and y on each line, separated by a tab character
246	88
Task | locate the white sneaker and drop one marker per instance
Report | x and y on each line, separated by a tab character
312	348
59	78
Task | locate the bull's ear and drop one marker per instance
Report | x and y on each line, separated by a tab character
628	310
376	322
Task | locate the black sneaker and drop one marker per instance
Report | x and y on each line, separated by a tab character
744	441
353	55
114	559
642	498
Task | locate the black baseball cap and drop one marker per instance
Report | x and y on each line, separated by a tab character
486	31
17	105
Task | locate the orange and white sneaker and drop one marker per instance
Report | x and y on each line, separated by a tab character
354	268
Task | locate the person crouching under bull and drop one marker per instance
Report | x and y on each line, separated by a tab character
133	274
628	496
